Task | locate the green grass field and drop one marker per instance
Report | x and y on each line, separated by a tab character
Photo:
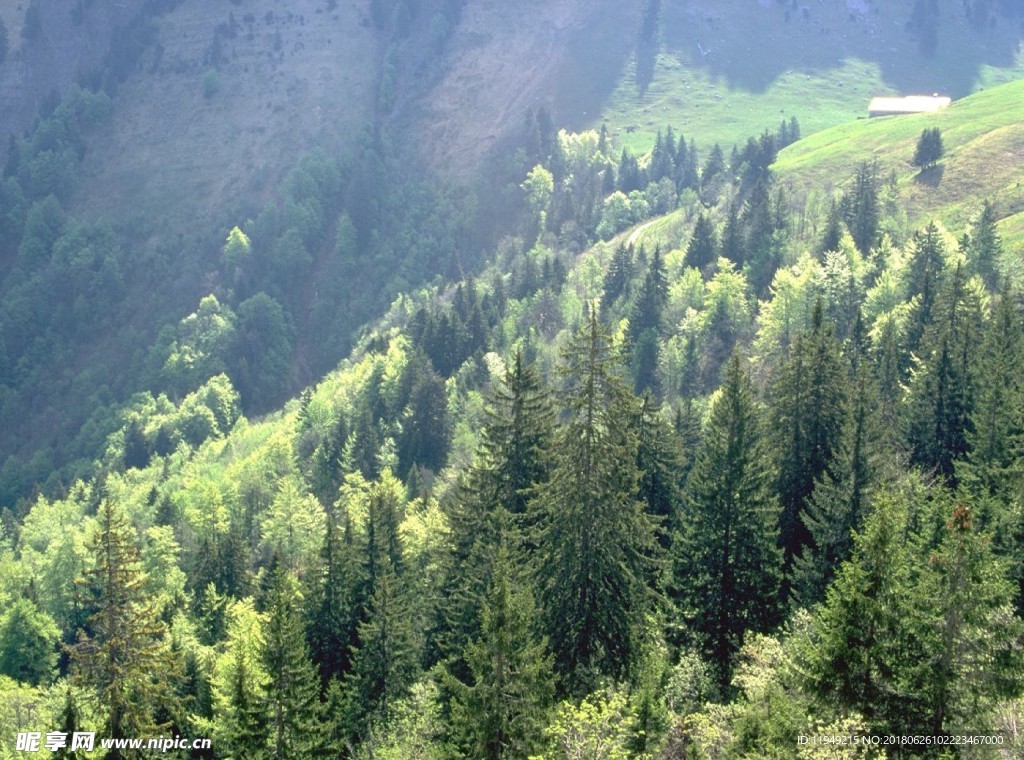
729	69
984	140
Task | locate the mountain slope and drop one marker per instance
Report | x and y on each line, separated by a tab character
983	137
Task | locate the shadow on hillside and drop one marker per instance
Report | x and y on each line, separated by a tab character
805	36
931	177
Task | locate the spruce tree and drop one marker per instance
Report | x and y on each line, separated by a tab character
659	463
122	657
925	278
651	299
984	248
594	542
385	662
617	276
861	207
500	711
645	327
833	230
728	562
244	720
997	425
807	400
702	250
840	500
334	611
941	397
293	703
512	461
929	150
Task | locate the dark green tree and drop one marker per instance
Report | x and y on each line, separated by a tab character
728	564
861	212
834	227
713	177
925	278
512	461
929	150
385	663
941	398
662	158
293	703
617	276
334	611
808	400
841	498
425	435
917	629
658	460
595	544
651	299
244	722
702	250
500	711
984	248
121	658
997	427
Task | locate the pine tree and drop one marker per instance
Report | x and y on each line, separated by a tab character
733	244
334	609
244	722
702	250
861	207
425	435
833	230
916	629
728	563
512	461
70	723
662	159
617	277
925	277
929	150
985	248
850	661
659	464
593	562
501	712
840	500
651	300
997	426
293	702
808	400
384	665
122	657
941	397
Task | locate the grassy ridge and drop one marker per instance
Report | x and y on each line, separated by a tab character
728	69
984	139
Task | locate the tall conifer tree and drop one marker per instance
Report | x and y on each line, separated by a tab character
593	562
501	712
808	400
292	686
728	562
122	657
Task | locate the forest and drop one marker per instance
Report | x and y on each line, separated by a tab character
746	473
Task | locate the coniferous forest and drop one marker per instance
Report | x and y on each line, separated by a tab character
664	453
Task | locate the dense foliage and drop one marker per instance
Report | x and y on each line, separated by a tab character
756	479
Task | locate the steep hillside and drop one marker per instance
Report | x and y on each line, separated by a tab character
225	100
